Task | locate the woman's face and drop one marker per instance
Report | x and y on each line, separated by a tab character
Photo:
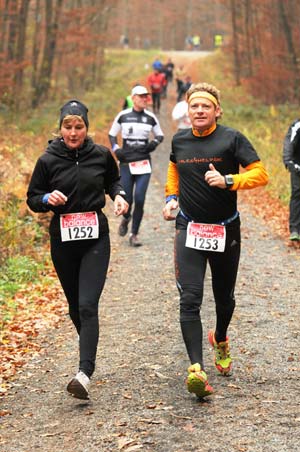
74	133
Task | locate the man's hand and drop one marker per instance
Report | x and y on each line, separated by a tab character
120	205
214	178
171	205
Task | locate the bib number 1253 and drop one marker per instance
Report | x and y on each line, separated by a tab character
206	237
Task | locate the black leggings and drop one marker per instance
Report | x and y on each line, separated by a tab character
82	267
190	268
156	102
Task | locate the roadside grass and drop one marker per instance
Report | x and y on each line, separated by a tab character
16	273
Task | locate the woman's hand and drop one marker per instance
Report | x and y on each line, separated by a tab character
171	205
57	198
120	205
214	178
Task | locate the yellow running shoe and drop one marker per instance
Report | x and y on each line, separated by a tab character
197	381
222	358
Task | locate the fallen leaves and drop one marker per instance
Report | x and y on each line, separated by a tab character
38	306
265	206
128	444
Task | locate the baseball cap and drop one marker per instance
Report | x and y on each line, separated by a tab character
74	107
139	90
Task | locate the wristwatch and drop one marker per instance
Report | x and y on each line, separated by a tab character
229	180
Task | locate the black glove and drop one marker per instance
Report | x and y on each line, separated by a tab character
293	167
152	145
120	154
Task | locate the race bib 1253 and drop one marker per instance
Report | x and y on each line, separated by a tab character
206	237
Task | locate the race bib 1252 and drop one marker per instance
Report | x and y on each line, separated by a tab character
79	226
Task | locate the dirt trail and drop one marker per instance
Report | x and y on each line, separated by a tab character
138	398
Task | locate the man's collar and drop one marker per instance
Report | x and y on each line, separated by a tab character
205	132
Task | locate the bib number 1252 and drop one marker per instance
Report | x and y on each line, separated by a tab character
79	226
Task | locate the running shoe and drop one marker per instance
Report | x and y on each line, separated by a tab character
222	356
197	381
79	385
123	228
294	237
134	241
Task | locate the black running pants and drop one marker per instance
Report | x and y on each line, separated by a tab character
190	268
82	267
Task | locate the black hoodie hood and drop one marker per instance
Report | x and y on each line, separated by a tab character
58	148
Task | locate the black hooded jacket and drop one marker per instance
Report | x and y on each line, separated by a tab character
291	144
84	176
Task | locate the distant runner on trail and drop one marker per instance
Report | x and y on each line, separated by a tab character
135	124
291	160
156	81
71	179
180	114
203	177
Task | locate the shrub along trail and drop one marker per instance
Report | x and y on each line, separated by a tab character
138	398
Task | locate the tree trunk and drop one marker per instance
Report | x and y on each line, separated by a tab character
12	29
293	60
20	50
237	64
249	33
44	79
35	43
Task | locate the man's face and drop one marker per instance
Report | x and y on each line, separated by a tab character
140	101
203	113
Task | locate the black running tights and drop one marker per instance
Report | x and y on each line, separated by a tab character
190	268
82	267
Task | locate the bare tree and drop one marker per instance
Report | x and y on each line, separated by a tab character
293	59
41	89
20	46
235	39
36	42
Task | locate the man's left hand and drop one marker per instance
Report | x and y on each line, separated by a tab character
214	178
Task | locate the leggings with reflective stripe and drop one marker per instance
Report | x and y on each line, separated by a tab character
82	267
190	268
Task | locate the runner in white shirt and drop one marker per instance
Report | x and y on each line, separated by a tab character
135	125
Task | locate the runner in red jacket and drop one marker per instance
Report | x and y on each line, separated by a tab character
156	81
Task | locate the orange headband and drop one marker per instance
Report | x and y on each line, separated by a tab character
204	94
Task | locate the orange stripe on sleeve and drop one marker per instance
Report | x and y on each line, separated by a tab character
172	184
254	176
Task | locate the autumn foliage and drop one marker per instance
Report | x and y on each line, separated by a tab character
48	49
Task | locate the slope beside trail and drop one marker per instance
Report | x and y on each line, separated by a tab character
138	398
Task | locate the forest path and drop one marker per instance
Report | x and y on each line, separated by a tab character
138	398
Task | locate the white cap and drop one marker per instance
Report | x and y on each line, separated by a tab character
139	90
